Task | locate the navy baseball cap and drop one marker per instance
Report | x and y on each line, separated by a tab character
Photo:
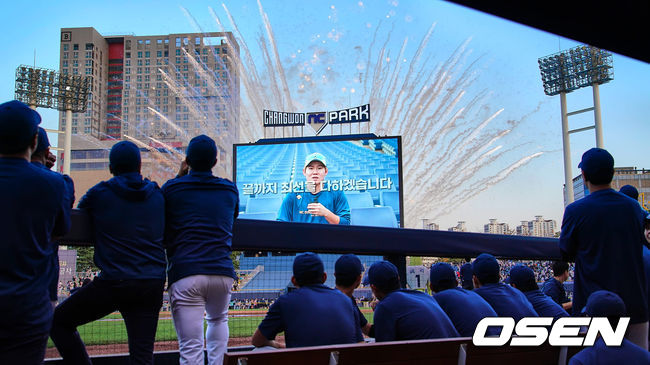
383	274
124	157
442	272
18	125
484	266
597	164
348	266
522	276
630	191
466	274
201	153
43	141
308	267
604	303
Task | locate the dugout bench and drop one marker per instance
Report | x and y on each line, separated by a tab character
453	351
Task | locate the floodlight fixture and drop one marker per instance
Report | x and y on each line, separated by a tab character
575	68
40	87
570	70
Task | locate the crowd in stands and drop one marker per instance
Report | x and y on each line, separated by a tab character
186	246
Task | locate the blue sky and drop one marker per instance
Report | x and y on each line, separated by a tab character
506	67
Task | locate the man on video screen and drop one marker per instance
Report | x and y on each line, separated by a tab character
315	205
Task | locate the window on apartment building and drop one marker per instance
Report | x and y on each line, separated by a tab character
147	41
139	62
66	47
89	54
75	54
140	54
158	53
65	63
127	44
127	55
147	54
127	63
159	41
178	42
186	41
75	47
147	62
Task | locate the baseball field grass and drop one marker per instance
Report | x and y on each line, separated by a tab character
111	329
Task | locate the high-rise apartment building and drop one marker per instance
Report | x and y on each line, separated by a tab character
538	227
460	227
496	227
159	90
639	178
156	89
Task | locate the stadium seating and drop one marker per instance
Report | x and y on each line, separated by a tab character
264	204
376	217
359	200
263	216
390	199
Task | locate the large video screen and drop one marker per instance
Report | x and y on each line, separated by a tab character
361	171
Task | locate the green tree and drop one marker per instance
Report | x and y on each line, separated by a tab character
85	259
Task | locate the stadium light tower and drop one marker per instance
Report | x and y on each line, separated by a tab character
571	70
39	87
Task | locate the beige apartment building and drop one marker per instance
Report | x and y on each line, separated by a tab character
158	91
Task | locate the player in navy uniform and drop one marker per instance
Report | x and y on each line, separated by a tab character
312	315
603	303
128	219
603	233
315	205
404	314
35	209
43	158
504	299
200	211
464	307
349	272
554	288
523	278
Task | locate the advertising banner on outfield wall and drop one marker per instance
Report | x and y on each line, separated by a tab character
67	265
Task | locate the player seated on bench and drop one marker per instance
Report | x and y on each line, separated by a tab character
403	314
464	307
603	303
504	299
313	314
523	278
349	271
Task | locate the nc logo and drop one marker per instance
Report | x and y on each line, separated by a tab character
317	121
